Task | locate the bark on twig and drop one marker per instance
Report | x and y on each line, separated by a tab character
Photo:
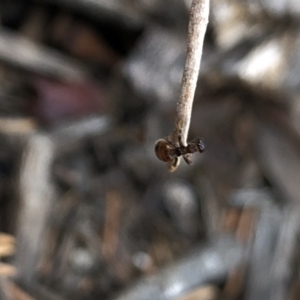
196	33
197	28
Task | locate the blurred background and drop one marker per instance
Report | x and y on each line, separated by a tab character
86	209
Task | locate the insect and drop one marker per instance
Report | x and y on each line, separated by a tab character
169	152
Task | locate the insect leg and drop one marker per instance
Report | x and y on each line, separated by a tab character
187	159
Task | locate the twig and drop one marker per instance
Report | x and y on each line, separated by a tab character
37	194
111	226
208	264
24	54
36	184
206	292
130	15
197	28
196	32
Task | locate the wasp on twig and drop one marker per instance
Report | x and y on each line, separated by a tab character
169	152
